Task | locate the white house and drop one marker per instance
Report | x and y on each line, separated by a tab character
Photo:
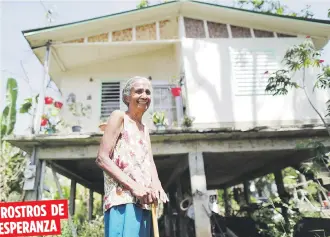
220	54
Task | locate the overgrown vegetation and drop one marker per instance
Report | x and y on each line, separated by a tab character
12	160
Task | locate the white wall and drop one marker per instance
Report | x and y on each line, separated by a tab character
160	65
212	93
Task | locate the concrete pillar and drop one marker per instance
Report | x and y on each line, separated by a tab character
200	195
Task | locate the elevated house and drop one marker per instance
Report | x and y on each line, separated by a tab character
218	56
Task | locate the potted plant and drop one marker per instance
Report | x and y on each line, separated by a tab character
78	110
187	121
50	119
160	120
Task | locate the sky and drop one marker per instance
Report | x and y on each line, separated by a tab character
17	59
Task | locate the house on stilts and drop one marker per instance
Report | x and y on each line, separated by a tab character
205	62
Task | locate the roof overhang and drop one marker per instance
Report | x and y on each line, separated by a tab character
202	10
67	55
66	32
258	20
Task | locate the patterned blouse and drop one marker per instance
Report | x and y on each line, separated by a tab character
132	156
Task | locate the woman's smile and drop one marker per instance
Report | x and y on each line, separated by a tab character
142	101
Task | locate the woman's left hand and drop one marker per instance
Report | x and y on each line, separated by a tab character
160	193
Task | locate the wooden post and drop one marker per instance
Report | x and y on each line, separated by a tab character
182	224
72	196
282	194
41	99
168	218
199	193
73	228
32	184
226	201
42	179
247	192
90	205
102	201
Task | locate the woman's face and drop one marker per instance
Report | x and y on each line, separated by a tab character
140	97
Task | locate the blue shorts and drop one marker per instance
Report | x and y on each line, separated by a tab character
127	220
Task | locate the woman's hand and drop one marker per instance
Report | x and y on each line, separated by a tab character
159	191
145	195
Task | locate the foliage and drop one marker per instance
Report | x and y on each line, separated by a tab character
274	7
94	228
270	219
50	119
8	116
159	118
28	103
187	121
298	59
12	161
142	4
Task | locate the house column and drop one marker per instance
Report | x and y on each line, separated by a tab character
199	194
34	172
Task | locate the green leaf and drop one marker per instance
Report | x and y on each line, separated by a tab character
8	117
26	106
280	11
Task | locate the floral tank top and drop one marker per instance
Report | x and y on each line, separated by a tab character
131	155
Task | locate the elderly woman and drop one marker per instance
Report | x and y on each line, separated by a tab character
131	182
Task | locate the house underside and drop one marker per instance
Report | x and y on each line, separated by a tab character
229	157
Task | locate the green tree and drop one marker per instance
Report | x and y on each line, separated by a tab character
298	59
274	7
12	160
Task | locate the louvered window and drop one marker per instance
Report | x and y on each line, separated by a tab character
248	69
110	98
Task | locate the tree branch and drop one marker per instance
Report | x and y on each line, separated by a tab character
312	105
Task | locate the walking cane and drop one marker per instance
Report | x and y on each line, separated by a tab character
154	220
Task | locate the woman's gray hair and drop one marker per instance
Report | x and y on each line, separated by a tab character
128	86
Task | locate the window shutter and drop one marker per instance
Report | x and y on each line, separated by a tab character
110	98
249	67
